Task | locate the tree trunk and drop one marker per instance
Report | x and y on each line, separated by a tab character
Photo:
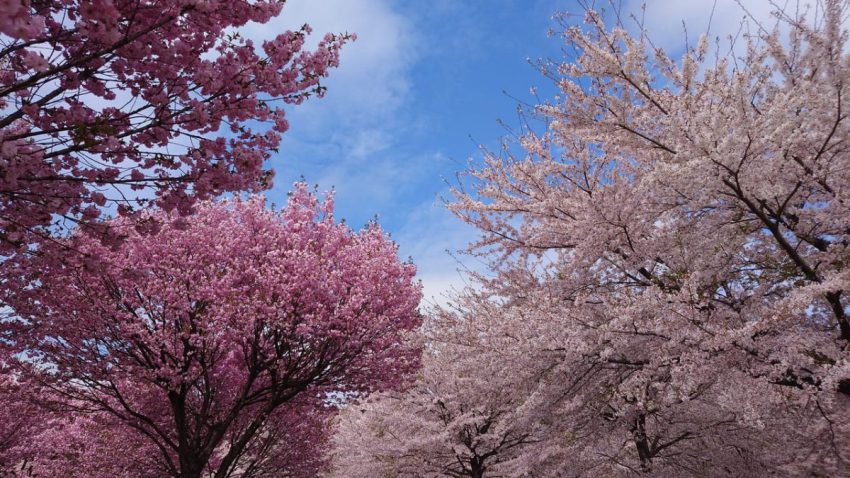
476	468
190	468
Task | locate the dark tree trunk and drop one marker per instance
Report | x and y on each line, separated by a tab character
476	468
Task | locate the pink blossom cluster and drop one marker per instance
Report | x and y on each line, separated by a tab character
117	104
18	20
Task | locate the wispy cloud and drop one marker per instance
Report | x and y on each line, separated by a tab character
668	20
349	139
432	237
372	82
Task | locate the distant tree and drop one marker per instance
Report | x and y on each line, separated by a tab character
123	103
225	343
470	412
689	222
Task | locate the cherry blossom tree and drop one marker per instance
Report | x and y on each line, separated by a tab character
512	389
463	417
689	220
224	344
21	418
118	104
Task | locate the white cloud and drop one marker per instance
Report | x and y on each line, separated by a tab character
371	83
348	138
369	142
432	237
663	19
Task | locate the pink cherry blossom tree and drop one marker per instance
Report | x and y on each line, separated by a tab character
470	413
688	218
513	389
118	104
224	344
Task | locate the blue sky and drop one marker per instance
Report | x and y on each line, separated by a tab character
421	88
